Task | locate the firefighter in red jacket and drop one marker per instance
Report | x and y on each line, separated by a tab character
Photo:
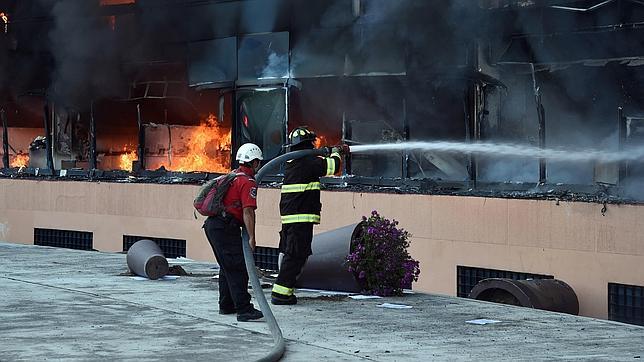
300	209
224	234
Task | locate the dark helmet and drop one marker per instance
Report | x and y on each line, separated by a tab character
301	135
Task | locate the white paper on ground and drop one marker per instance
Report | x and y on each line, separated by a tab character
215	277
326	292
361	297
394	306
180	260
408	291
167	277
483	321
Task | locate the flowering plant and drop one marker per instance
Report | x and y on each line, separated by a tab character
379	258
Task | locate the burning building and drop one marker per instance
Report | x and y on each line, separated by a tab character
151	97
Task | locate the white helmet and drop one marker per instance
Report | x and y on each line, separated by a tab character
248	152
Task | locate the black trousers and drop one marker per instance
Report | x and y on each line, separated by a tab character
295	243
224	235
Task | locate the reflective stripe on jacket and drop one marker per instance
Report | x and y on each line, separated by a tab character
300	200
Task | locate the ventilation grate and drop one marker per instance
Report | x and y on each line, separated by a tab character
266	258
69	239
626	303
172	248
467	277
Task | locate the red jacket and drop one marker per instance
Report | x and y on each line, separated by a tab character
241	194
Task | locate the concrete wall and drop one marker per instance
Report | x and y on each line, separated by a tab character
572	241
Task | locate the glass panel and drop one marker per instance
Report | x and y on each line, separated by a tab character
212	61
263	57
262	119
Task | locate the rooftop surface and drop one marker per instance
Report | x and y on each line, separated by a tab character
82	305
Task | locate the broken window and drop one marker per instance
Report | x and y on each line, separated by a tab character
262	119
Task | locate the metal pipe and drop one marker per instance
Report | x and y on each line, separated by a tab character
5	139
541	115
92	138
546	294
141	147
346	135
542	139
146	259
326	269
405	155
48	143
622	125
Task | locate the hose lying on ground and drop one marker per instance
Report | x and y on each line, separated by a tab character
278	349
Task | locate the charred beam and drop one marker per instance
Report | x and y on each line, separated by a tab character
48	143
346	138
92	138
405	160
141	147
623	134
5	139
542	138
472	125
541	115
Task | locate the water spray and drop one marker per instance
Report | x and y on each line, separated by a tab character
507	150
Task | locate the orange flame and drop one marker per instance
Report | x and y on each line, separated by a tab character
20	160
5	20
320	141
126	159
111	22
208	149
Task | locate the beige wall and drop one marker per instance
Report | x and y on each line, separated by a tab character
572	241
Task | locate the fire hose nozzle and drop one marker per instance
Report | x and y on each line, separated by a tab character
342	149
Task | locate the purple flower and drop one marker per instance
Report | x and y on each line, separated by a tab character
379	257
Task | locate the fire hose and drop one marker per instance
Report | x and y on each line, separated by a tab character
279	347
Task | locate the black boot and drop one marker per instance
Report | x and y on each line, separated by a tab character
250	315
280	299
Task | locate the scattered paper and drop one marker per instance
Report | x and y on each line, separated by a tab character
274	275
180	260
394	306
167	277
361	297
482	321
408	291
325	292
215	276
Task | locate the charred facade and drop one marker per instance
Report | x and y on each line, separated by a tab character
94	86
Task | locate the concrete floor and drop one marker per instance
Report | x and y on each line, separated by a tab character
75	305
